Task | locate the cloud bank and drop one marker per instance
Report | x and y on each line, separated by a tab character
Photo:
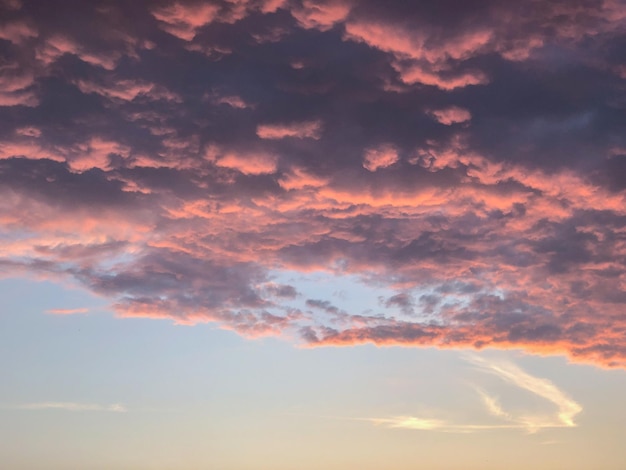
468	158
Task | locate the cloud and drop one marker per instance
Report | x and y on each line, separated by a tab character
451	115
511	373
67	311
95	154
248	163
17	32
184	20
127	90
461	163
70	406
17	86
380	157
57	46
320	15
300	130
233	101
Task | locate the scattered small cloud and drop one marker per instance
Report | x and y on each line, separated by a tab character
379	157
451	115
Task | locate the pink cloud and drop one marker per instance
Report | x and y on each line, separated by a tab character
382	156
248	163
67	311
270	6
422	57
320	15
17	32
95	154
300	130
413	74
471	247
184	20
233	101
128	90
19	98
29	149
387	37
299	178
57	46
435	253
451	115
28	131
16	87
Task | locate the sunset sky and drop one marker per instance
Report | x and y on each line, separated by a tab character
298	234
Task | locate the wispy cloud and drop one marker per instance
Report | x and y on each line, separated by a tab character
514	375
511	373
67	311
71	406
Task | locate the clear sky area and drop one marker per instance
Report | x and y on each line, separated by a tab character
298	234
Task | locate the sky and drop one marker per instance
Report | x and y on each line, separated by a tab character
277	234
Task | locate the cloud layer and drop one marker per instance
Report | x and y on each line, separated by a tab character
469	158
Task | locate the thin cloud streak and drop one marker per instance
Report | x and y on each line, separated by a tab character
71	406
511	373
67	311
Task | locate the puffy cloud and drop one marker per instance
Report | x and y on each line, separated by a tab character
248	162
451	115
320	15
95	154
57	46
184	20
233	101
17	32
380	157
